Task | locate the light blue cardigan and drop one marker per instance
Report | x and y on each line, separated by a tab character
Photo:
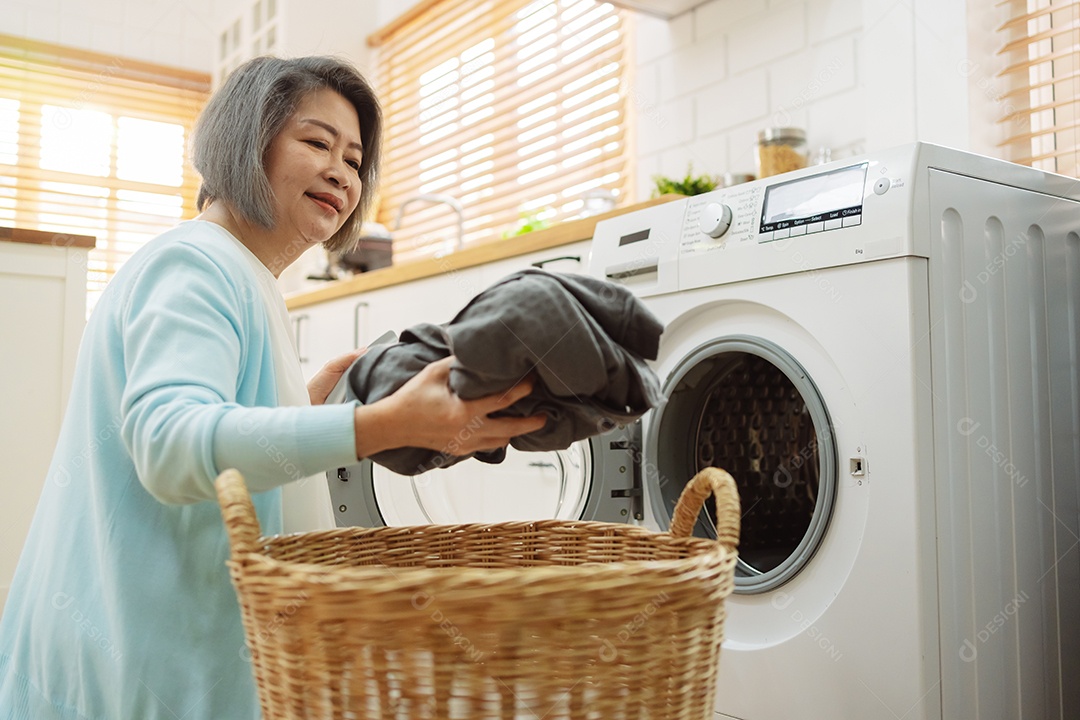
121	606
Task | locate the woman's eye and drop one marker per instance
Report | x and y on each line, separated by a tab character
354	165
319	144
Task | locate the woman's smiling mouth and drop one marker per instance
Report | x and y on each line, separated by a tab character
327	201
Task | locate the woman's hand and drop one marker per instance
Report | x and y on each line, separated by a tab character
319	387
426	413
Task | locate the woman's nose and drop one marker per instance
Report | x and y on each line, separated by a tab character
337	172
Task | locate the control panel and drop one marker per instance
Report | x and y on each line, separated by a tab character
835	214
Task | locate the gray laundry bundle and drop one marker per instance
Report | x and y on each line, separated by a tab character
585	339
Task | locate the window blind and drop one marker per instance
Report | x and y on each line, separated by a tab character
93	144
514	108
1042	52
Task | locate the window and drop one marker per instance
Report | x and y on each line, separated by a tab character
1043	101
514	108
95	145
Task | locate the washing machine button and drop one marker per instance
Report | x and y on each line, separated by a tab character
832	224
852	220
882	186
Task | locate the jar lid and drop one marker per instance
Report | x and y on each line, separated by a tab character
781	133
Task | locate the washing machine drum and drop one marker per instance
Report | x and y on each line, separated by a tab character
593	479
745	405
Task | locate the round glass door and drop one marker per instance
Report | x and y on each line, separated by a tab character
746	406
525	486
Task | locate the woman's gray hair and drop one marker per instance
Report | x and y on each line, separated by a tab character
244	116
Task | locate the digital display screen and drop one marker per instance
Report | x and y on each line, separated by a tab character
818	198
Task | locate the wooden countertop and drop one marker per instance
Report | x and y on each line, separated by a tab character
39	237
561	234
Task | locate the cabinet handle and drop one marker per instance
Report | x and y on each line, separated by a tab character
542	263
356	323
297	323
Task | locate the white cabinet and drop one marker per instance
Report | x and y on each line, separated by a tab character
329	329
42	316
572	258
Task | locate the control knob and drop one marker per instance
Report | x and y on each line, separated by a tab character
715	219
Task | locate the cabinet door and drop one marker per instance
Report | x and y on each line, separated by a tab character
434	299
573	258
327	330
43	314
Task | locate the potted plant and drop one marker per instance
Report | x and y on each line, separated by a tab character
689	185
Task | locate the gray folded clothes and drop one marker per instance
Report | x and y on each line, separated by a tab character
585	339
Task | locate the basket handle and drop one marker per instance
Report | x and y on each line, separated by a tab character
238	512
720	484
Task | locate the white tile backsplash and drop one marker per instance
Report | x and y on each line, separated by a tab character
105	37
692	68
818	72
834	121
663	129
43	23
707	155
735	101
656	37
751	64
715	19
829	18
762	39
73	29
645	167
13	20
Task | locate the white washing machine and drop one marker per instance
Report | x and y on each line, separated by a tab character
883	352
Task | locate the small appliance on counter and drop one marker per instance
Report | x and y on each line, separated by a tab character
373	250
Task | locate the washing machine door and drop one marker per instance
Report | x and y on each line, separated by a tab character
593	479
746	405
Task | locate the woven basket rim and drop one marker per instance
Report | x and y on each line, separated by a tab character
349	579
705	552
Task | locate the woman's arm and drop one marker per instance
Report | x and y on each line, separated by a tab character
186	347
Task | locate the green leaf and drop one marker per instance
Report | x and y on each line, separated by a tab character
689	185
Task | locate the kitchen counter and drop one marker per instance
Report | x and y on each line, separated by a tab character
561	234
39	237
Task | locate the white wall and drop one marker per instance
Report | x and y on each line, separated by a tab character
857	75
170	32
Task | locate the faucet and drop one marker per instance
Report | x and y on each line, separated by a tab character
445	200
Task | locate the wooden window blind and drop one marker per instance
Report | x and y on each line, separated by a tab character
1042	54
512	107
93	144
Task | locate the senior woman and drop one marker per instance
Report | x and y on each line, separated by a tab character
121	607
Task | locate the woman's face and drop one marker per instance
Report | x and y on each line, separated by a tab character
313	166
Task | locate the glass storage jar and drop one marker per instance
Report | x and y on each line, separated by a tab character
781	150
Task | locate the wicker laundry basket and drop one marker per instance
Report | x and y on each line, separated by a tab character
549	619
